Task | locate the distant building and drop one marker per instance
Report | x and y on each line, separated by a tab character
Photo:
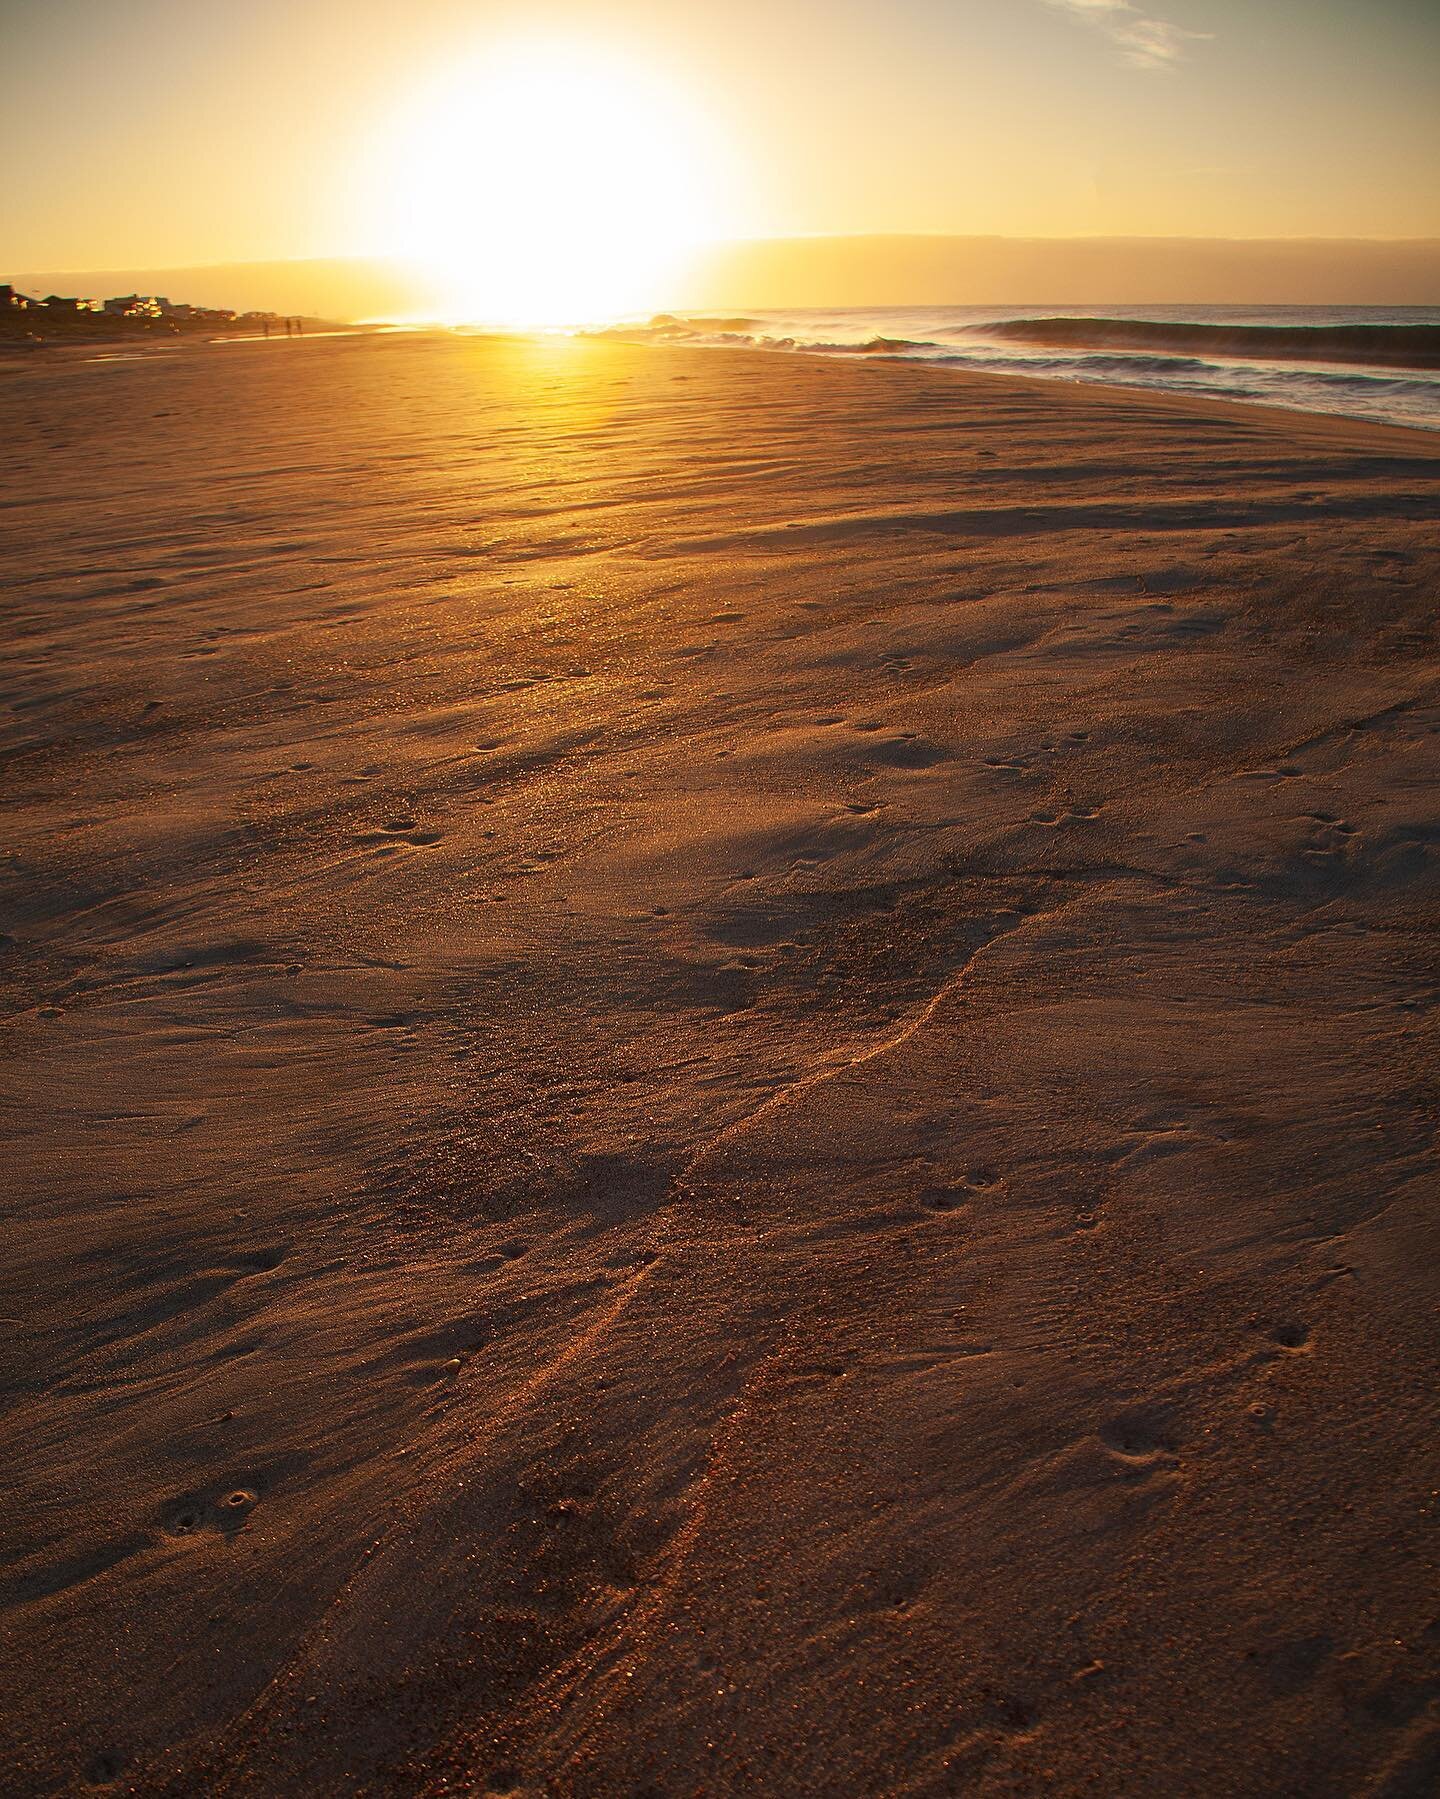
137	306
205	315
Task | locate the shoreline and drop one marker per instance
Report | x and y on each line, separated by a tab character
1204	405
1159	396
1198	402
1305	385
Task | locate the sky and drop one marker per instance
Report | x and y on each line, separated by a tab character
160	133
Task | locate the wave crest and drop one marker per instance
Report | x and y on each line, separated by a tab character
1402	346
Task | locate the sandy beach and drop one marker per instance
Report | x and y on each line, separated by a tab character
721	1078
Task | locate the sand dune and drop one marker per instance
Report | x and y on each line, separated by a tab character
722	1078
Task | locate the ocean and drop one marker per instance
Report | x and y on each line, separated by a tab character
1380	363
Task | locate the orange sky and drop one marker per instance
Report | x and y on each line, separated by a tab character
160	133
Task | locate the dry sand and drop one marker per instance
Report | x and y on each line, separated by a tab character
721	1078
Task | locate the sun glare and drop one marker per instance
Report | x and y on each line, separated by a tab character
550	185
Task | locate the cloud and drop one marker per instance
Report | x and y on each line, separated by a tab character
1147	43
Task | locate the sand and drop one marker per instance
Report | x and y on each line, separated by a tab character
721	1077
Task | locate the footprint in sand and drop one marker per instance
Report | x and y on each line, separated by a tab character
1290	1666
1011	1714
396	831
1330	837
1140	1438
1283	771
261	1261
500	1257
1287	1334
909	751
196	1515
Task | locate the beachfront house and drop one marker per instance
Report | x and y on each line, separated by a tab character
137	306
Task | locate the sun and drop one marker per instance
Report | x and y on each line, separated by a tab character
551	185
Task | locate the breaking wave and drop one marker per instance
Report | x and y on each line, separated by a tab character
1388	345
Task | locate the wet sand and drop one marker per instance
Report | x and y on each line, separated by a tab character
721	1076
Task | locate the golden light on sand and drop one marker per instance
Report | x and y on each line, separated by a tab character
551	184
